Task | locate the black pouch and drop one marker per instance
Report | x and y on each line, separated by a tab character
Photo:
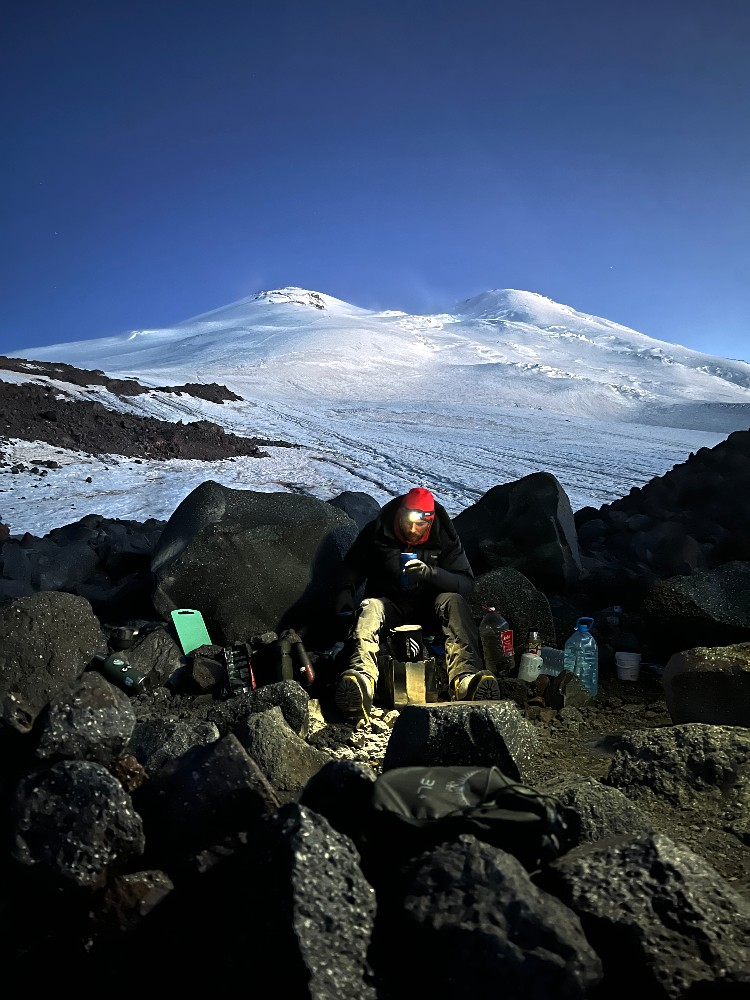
420	807
238	660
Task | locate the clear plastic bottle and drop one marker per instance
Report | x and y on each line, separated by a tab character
582	655
554	661
497	642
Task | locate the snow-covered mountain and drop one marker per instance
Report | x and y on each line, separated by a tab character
504	347
499	386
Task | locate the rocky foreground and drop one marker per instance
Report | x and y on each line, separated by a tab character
244	827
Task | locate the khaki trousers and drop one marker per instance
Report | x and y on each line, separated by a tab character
375	616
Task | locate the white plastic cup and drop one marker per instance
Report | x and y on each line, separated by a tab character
628	666
529	667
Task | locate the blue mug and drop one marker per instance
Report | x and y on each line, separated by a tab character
405	558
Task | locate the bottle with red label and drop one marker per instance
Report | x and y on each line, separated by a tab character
497	642
534	642
531	661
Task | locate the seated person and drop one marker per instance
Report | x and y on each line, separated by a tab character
436	583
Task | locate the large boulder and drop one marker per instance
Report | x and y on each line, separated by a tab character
88	719
705	609
659	917
46	642
709	684
527	525
361	507
693	766
481	734
519	601
74	824
594	810
203	796
250	562
287	760
497	934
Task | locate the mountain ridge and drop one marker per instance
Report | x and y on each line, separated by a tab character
508	345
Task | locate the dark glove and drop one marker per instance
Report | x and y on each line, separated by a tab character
342	623
416	570
343	603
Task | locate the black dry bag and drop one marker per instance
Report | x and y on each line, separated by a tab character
420	807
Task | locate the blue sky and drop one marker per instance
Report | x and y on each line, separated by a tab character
163	158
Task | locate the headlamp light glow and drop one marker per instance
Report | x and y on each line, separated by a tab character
420	515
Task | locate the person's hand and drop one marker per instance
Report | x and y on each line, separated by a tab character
418	571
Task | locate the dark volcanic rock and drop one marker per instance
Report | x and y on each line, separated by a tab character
272	557
709	685
527	525
691	519
665	939
61	372
599	810
497	934
89	719
481	733
203	796
710	608
360	507
75	824
46	642
287	760
679	763
523	605
34	413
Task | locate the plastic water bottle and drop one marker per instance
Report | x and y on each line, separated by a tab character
554	661
582	655
497	642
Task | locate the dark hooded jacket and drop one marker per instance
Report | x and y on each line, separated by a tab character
375	557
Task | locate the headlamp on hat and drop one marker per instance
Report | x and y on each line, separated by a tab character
419	501
420	515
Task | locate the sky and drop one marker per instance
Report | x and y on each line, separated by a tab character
163	158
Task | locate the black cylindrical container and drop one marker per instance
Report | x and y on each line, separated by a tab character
120	672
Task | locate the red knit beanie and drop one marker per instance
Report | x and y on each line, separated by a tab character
419	499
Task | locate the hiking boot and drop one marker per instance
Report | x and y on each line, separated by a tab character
481	686
353	695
